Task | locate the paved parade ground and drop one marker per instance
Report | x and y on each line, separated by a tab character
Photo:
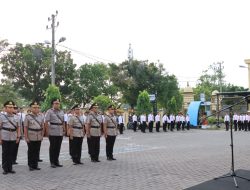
172	160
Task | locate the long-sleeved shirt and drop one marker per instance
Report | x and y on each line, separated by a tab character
134	118
150	117
226	118
157	118
143	118
120	119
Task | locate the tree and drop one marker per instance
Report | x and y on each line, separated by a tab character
143	103
28	69
172	106
52	92
103	102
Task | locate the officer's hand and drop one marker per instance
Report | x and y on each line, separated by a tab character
71	137
27	140
105	135
17	140
0	141
88	135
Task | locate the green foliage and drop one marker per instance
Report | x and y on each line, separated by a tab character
213	120
51	93
103	102
143	103
172	106
28	69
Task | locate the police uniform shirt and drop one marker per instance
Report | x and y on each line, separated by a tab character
134	118
172	118
150	117
76	125
56	124
182	118
187	118
248	117
226	118
143	118
94	131
157	118
110	122
235	117
164	119
34	124
18	118
4	123
177	119
120	119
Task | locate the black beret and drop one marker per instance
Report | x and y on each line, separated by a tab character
75	106
9	103
54	100
34	104
93	105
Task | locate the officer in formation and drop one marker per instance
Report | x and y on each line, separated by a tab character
187	121
9	136
164	122
235	120
17	144
150	122
110	132
94	124
134	119
76	134
34	132
227	121
121	123
55	128
158	122
143	122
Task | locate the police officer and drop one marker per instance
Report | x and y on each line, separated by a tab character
143	123
121	123
93	131
110	132
150	122
76	134
172	121
157	122
178	121
134	118
9	136
54	125
18	118
187	119
235	120
164	122
33	132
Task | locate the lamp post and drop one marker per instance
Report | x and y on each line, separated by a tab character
247	61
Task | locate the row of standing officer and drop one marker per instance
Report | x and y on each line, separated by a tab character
240	121
168	121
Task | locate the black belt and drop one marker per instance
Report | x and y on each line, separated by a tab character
75	127
30	129
110	127
95	127
8	129
56	123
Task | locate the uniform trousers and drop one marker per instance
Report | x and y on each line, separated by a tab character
150	126
89	145
110	141
227	125
248	125
245	125
183	125
70	147
76	149
172	125
164	126
178	125
239	125
94	147
54	149
188	125
33	153
16	147
134	126
143	126
121	128
7	154
235	125
157	126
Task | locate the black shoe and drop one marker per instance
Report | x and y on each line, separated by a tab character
40	160
15	163
32	169
80	163
5	172
75	163
59	165
113	158
53	166
92	160
97	160
109	159
37	168
12	172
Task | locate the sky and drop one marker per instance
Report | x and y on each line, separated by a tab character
185	36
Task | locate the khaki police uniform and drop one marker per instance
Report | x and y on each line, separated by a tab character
15	152
111	124
76	126
55	131
94	120
34	124
9	135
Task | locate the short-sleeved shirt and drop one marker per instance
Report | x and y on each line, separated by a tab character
8	135
55	124
95	126
77	124
110	122
34	124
